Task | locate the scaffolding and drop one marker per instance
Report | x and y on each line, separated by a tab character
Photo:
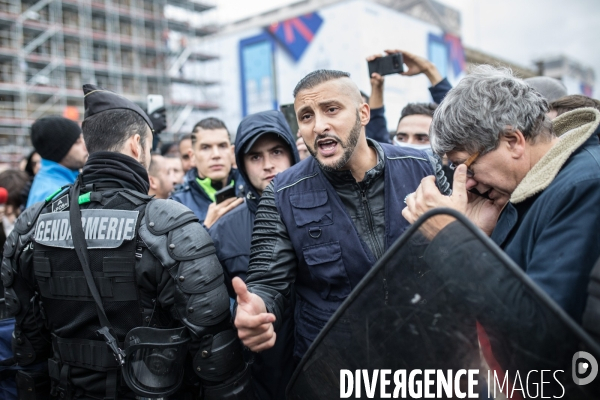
50	48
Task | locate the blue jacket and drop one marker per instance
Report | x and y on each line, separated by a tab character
332	257
551	226
232	234
376	129
51	177
191	194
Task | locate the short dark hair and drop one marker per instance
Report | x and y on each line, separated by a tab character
209	124
17	184
110	129
185	137
166	147
317	77
418	109
573	102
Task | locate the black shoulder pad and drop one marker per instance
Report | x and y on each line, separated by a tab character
163	216
189	242
7	273
157	244
10	244
26	221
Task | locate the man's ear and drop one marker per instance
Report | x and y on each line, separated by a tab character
515	143
364	113
153	182
134	146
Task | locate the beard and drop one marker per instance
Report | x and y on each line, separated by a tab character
73	163
348	146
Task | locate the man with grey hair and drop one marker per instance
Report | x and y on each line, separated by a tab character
532	186
324	222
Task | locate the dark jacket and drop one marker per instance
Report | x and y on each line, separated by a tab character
232	234
550	227
277	257
377	127
591	316
191	194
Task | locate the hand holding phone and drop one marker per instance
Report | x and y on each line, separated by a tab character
226	193
390	64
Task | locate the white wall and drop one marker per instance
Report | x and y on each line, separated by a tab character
350	32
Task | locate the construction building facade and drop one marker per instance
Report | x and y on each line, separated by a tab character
50	48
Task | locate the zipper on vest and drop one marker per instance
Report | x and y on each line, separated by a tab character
367	211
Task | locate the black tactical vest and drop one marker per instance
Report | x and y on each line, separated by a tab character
110	222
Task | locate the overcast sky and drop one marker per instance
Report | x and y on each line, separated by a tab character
516	30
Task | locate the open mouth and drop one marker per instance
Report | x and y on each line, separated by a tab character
327	147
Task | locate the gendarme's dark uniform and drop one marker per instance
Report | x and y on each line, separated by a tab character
153	266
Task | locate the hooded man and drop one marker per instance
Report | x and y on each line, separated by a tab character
264	147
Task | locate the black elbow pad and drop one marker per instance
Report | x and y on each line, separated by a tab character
208	308
238	388
219	356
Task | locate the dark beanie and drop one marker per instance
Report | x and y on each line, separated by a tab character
52	137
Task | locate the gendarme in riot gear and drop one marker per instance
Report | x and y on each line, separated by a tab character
115	292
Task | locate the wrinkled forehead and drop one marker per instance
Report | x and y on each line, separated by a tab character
343	90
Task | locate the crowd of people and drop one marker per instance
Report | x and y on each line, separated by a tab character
240	249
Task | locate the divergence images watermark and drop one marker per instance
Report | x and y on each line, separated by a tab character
464	383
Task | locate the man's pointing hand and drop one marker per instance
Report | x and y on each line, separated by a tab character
254	323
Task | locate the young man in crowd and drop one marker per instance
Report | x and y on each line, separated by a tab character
176	166
59	142
413	127
323	223
213	155
264	147
538	182
186	153
161	176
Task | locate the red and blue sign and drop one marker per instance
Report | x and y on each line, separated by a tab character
457	53
296	34
587	90
447	52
